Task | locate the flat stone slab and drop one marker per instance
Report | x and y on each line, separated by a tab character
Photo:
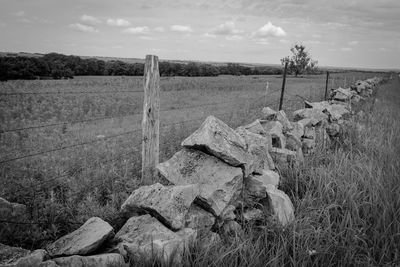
257	146
281	205
255	185
283	119
283	157
199	219
275	130
101	260
268	114
218	139
82	241
168	203
316	115
19	257
256	127
219	184
145	236
12	211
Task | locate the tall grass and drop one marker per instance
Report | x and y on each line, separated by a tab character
346	198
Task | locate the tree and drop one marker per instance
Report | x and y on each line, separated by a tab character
300	61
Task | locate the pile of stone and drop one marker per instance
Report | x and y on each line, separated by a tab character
357	92
221	180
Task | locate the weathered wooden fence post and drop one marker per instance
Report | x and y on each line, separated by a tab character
151	120
266	94
283	86
326	85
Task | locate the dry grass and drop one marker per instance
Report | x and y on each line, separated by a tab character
64	188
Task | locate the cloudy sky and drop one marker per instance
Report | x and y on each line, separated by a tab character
348	33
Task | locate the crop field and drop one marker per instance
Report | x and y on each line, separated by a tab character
70	149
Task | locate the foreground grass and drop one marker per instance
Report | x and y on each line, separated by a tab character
347	201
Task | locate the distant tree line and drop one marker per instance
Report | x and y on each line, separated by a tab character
58	66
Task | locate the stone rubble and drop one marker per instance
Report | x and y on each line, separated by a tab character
220	177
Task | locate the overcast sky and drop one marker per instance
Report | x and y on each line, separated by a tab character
348	33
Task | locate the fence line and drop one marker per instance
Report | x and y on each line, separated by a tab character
38	189
70	92
67	147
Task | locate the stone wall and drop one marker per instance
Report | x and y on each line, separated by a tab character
221	180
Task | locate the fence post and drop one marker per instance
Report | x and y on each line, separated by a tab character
266	94
151	120
326	85
283	86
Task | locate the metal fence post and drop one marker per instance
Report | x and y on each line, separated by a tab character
283	86
326	85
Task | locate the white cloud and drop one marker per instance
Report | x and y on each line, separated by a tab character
150	38
181	28
234	37
20	13
159	29
353	43
137	30
227	28
90	20
209	35
83	28
269	30
346	49
118	22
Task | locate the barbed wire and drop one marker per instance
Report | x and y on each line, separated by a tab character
123	116
67	147
66	123
70	92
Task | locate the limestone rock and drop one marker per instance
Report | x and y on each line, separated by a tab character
308	145
197	218
283	157
233	229
219	184
336	112
268	114
298	129
316	115
333	129
253	215
167	203
12	211
317	105
257	146
281	205
218	139
82	241
146	236
101	260
342	94
208	241
293	143
275	130
19	257
255	185
256	127
282	118
309	133
228	213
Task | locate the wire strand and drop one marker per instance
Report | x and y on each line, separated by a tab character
67	147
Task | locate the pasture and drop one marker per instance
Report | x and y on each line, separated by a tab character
70	149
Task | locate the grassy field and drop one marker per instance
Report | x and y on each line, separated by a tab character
65	187
346	199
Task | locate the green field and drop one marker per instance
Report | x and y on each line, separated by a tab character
95	136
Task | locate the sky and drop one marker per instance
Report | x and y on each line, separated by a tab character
341	33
